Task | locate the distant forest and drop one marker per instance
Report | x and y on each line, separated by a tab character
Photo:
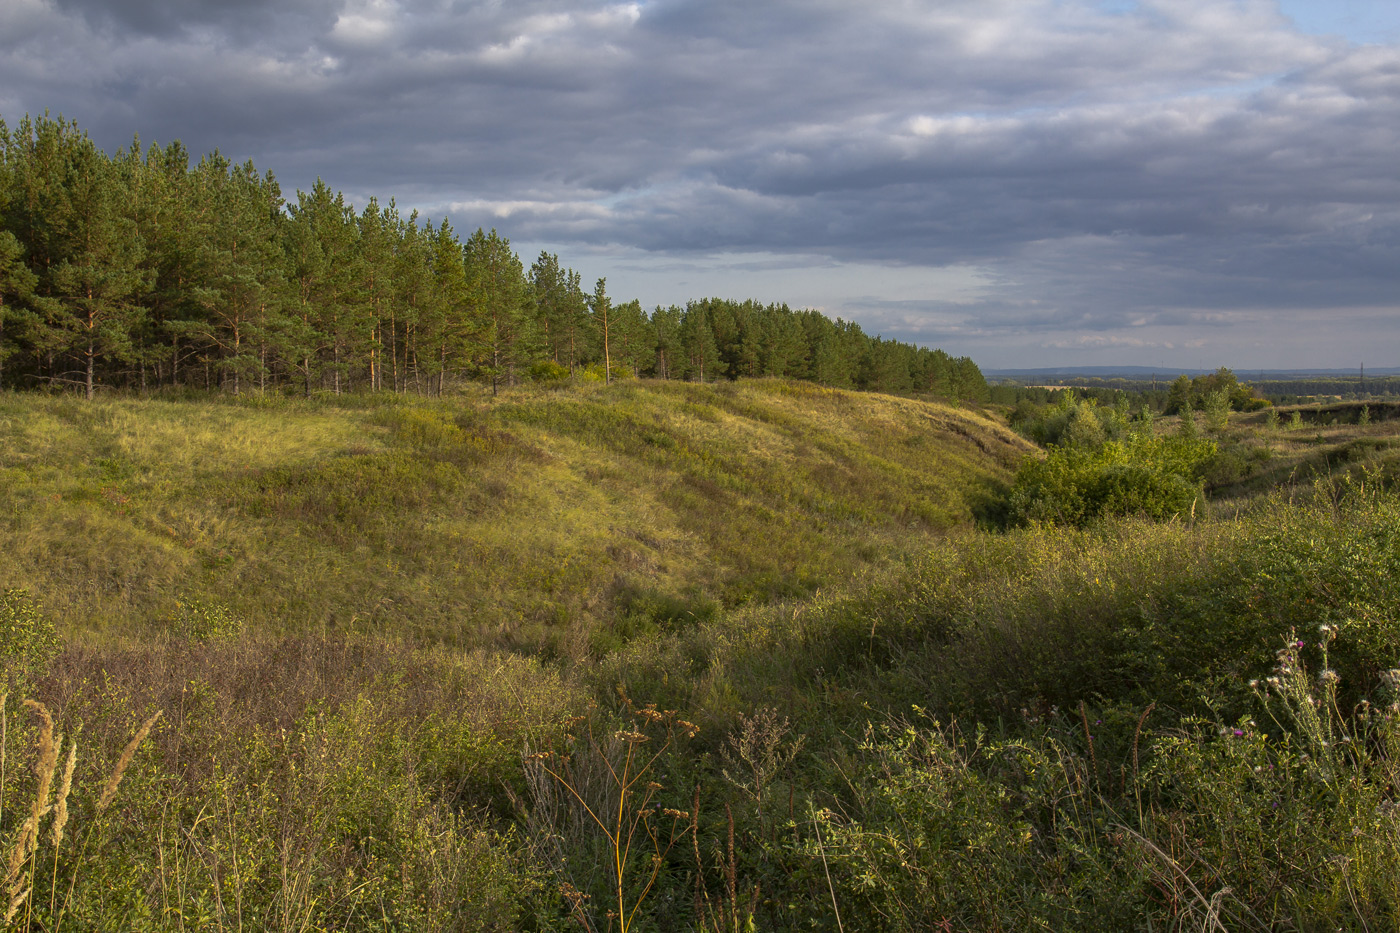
139	271
1157	393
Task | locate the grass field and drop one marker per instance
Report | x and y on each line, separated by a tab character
535	520
672	657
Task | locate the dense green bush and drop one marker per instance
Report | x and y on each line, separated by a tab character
1072	421
1140	475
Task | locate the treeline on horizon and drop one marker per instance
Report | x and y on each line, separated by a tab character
1156	393
139	271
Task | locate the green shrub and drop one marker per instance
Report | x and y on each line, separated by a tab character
199	621
1144	475
548	371
28	639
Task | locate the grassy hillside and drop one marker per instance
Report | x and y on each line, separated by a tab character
403	653
534	519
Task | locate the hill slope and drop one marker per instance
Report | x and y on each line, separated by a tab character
623	507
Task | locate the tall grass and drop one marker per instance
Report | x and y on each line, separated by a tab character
371	654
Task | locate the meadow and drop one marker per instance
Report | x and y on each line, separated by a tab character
676	657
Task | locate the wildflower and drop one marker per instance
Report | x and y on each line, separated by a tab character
1328	676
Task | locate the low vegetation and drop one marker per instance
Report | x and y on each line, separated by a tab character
669	657
557	521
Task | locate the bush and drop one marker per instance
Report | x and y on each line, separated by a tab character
28	639
200	621
1145	475
548	371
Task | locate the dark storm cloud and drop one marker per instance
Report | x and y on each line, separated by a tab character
1108	172
166	17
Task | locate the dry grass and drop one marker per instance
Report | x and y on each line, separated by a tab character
21	866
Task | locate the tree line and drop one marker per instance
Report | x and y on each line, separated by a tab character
143	270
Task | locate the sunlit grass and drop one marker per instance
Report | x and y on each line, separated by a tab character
516	520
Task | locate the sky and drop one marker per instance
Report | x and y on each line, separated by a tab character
1174	183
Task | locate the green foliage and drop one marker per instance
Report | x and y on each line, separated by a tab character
597	817
1113	739
199	621
1072	421
140	271
1187	429
1216	406
1211	393
356	786
548	371
1074	484
28	639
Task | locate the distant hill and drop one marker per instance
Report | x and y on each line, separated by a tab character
1139	373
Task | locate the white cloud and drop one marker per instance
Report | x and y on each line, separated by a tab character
366	22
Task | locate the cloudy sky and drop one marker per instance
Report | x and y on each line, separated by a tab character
1186	183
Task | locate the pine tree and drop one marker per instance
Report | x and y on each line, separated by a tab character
412	292
500	302
782	347
98	279
173	214
328	315
16	286
670	351
698	342
450	332
241	267
601	306
377	235
554	309
634	340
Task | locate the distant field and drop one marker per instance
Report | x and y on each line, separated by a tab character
1326	443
